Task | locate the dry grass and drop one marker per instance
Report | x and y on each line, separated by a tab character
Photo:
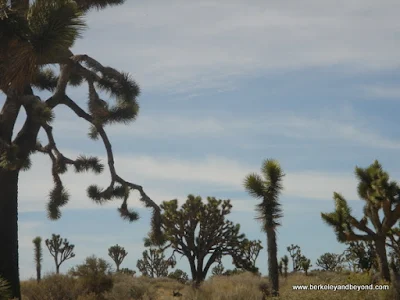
243	286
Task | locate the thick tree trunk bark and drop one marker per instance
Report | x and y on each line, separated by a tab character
38	273
380	247
9	266
273	267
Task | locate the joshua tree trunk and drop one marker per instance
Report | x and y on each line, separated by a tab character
38	274
273	270
380	248
9	267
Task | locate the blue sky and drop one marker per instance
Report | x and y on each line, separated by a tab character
225	85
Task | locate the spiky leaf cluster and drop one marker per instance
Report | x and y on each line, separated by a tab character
85	164
58	198
54	25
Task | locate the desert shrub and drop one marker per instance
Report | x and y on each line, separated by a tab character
51	287
127	271
179	275
128	288
95	275
235	287
90	296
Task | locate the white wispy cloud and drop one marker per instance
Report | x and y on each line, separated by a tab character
305	129
209	44
382	92
166	179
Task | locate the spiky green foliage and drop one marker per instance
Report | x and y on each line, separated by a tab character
83	163
268	188
200	232
5	289
117	254
45	79
381	212
60	249
37	242
58	198
86	5
55	26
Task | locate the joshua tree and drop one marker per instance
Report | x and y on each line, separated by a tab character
218	269
117	254
381	210
361	255
285	262
280	267
36	38
329	261
305	264
200	232
60	249
294	252
38	256
269	211
154	263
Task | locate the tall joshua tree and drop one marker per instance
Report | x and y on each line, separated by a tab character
269	210
381	213
60	249
36	38
117	254
38	256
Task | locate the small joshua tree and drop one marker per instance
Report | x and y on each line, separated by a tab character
294	252
60	249
38	256
218	269
285	262
154	263
305	264
329	261
117	254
